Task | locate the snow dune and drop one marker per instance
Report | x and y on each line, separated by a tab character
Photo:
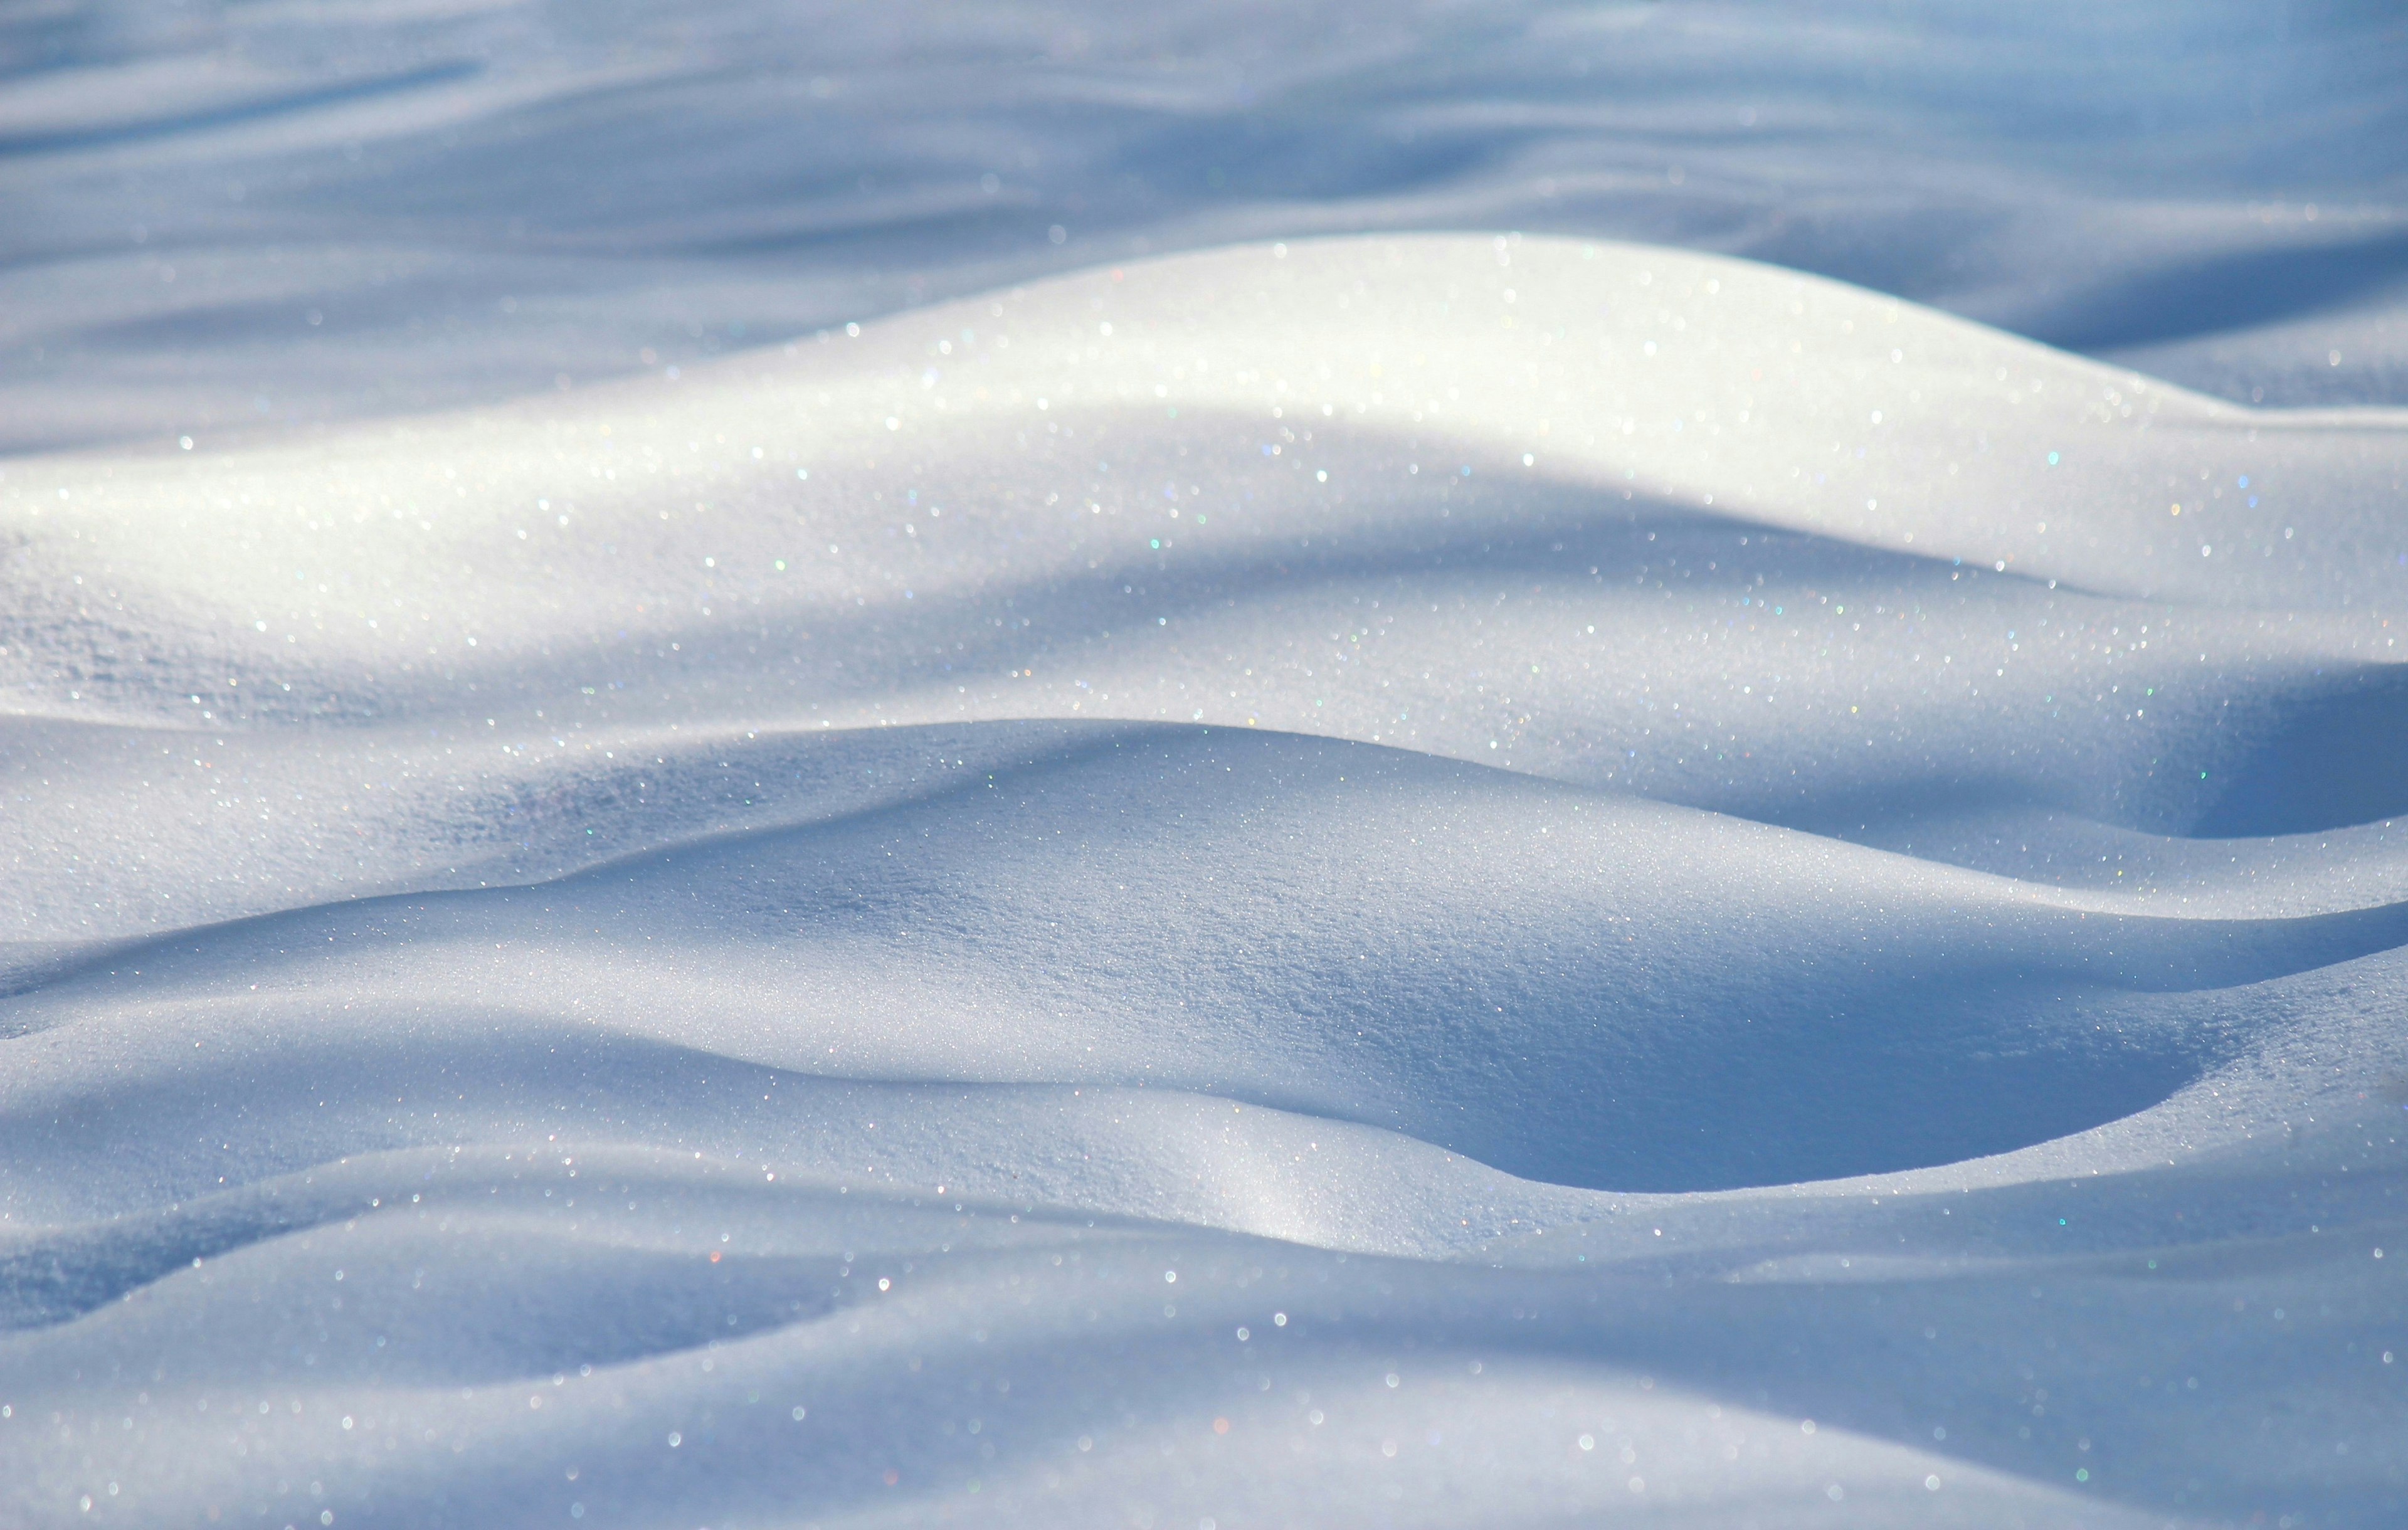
1429	800
1350	875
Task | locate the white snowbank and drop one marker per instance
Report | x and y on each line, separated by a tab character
1408	879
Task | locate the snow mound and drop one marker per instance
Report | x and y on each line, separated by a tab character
1402	880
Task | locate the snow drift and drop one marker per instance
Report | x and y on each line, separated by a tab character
1398	879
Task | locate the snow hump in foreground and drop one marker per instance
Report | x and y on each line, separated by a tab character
1403	881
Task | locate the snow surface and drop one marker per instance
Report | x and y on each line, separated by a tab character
807	765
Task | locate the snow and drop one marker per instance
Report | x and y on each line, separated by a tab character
1611	763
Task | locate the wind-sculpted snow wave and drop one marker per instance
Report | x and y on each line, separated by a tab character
1390	880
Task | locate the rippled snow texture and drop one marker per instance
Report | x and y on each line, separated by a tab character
1389	878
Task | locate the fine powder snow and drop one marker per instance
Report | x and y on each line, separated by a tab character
814	766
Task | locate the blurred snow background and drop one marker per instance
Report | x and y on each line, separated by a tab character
225	214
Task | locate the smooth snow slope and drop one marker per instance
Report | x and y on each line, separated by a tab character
1277	886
